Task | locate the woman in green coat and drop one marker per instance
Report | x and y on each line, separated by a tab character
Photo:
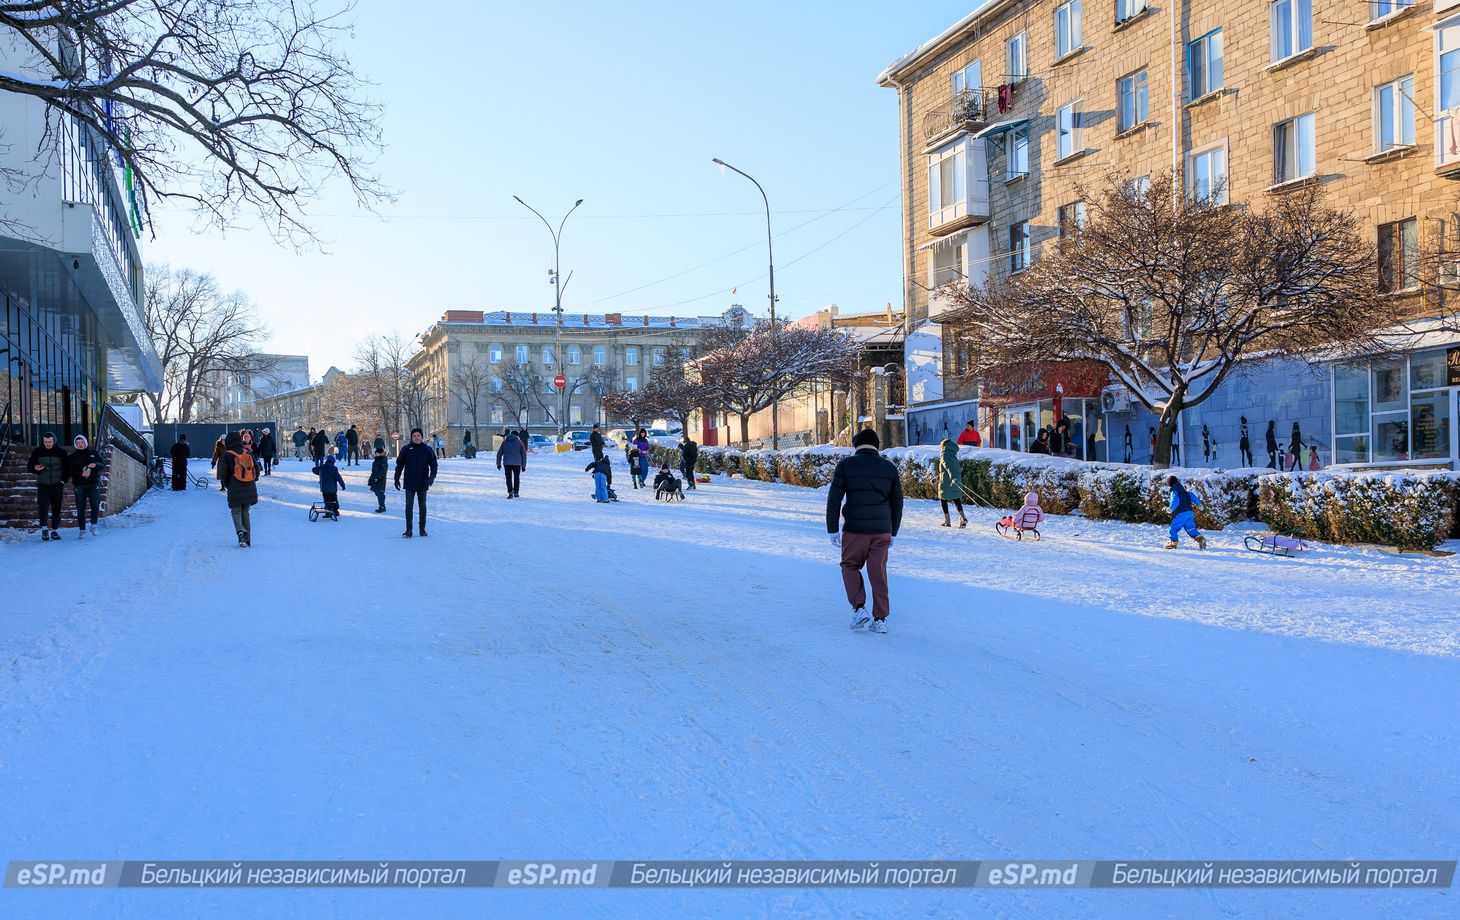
950	482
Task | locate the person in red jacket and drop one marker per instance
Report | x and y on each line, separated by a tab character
969	436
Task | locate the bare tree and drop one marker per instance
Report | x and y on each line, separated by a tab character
522	387
383	384
199	333
1170	294
220	103
598	382
470	383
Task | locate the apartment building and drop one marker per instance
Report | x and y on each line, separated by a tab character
514	354
234	394
1007	115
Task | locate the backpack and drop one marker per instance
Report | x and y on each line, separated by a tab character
243	468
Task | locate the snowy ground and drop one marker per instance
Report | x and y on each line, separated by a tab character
552	678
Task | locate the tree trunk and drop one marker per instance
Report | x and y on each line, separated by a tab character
744	431
1166	428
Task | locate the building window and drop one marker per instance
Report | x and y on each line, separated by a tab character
1290	23
547	386
1141	186
1293	156
1447	51
1125	9
1016	153
1394	114
548	358
657	355
1019	252
575	355
970	77
1067	126
947	184
522	354
600	356
631	355
684	353
1066	28
1135	100
1399	256
575	414
496	415
1071	218
1378	9
494	353
1204	71
496	384
631	384
1206	174
947	265
1014	59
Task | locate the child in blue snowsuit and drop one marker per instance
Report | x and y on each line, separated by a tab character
330	483
1183	514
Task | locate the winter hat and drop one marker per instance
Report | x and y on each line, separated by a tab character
418	431
867	437
1031	498
82	439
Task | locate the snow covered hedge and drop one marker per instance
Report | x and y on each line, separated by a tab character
1409	509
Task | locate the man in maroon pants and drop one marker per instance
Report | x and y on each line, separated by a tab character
872	491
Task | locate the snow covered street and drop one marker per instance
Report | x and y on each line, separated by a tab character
554	678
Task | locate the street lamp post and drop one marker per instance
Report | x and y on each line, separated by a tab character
770	254
558	285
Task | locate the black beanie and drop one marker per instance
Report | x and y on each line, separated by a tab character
867	437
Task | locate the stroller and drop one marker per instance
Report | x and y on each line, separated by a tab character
1016	526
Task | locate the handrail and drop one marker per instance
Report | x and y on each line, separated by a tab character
5	438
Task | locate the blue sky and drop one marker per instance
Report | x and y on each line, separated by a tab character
623	106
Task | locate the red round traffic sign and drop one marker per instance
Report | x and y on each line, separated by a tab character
560	381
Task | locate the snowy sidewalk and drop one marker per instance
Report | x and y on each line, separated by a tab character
552	678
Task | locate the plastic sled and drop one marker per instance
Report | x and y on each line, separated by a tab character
702	479
1274	545
1007	528
320	511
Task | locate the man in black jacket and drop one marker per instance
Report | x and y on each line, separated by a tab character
417	465
595	442
873	512
266	451
689	452
300	439
48	463
352	442
83	468
181	454
318	445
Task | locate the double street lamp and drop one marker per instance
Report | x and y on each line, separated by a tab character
558	285
775	422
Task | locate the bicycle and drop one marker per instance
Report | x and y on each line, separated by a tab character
160	476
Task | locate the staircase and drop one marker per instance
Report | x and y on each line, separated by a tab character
17	494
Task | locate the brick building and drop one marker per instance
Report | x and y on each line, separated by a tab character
1009	112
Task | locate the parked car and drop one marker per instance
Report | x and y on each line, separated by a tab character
579	439
659	437
539	442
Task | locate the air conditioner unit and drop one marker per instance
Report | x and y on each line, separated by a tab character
1115	399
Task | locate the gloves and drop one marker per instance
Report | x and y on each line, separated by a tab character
397	485
836	540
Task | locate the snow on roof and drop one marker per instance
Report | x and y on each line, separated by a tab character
585	320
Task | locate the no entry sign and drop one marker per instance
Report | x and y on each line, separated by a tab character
560	381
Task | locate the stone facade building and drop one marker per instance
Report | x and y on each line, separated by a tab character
513	356
1007	116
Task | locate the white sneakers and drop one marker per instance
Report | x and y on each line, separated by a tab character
878	626
860	618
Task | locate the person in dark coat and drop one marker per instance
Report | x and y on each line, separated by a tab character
872	490
641	441
84	467
267	451
689	453
380	442
1040	445
219	446
379	469
512	458
318	445
1058	438
416	464
48	463
595	442
180	453
330	484
239	475
301	441
352	447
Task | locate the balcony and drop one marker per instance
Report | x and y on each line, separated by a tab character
967	111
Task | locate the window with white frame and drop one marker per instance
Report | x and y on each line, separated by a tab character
549	358
1016	153
600	356
1020	254
1068	141
1071	218
1399	256
522	354
1134	96
1394	114
1141	185
494	353
1125	9
496	384
1015	63
1066	28
631	355
947	264
970	77
1293	154
1206	174
657	356
1394	410
1447	66
947	184
496	415
1205	70
1290	24
547	386
1378	9
575	414
575	355
631	384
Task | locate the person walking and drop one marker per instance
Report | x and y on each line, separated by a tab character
379	468
330	484
267	451
595	442
319	443
84	467
379	442
180	453
950	483
300	440
512	458
872	490
1183	514
969	436
631	455
352	447
416	464
440	444
342	443
239	475
48	463
641	441
248	443
689	454
215	464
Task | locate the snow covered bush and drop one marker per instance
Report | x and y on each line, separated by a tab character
1405	509
1140	494
1115	494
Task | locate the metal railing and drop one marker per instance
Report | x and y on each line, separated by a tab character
7	436
968	107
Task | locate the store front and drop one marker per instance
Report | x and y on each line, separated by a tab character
1021	404
1398	411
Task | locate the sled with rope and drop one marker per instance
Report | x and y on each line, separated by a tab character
1019	526
1272	544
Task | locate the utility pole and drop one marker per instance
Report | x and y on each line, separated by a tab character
558	285
770	254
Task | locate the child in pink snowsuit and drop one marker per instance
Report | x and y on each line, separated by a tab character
1031	515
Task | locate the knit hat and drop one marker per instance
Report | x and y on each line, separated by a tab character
1031	498
867	437
417	431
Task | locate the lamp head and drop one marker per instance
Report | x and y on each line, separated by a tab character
578	202
518	200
